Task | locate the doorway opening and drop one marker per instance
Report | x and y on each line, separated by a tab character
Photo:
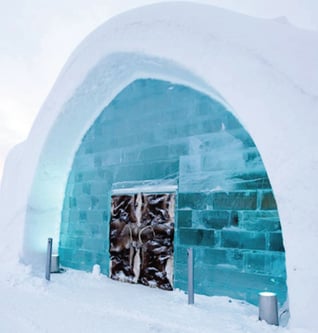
141	239
156	138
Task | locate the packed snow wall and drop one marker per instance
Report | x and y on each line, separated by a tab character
156	135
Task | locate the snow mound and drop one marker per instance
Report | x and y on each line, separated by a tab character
264	71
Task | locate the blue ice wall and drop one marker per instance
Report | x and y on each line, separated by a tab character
157	133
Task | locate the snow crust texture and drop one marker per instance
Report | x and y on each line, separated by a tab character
84	302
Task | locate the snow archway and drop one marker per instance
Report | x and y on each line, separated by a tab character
156	136
98	89
273	94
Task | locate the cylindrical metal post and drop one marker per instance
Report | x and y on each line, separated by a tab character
55	263
268	309
48	259
190	276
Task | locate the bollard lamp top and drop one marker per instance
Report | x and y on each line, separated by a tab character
267	293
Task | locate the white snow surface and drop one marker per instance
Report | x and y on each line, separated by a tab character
267	74
88	302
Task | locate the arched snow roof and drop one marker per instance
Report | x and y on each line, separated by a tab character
262	70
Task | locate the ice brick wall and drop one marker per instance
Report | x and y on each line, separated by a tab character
158	133
237	240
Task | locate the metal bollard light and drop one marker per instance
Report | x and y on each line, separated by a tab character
268	309
55	263
48	259
190	276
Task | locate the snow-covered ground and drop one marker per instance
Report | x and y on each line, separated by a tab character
88	302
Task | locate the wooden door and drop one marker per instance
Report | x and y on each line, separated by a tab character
141	239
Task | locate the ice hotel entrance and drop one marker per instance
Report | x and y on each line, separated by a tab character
141	239
155	135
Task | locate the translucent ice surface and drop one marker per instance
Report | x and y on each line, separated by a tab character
157	135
